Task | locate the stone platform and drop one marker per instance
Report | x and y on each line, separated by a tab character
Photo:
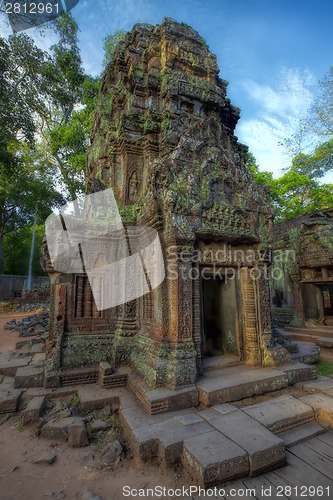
223	442
321	336
220	385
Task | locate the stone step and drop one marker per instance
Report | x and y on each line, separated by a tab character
320	338
308	353
92	397
301	433
9	397
212	458
214	444
322	384
160	435
9	364
322	406
239	382
29	376
300	372
161	400
281	413
218	362
265	450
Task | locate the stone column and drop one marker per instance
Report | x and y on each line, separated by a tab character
57	328
299	319
181	365
249	289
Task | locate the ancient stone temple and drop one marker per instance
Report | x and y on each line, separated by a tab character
163	140
302	274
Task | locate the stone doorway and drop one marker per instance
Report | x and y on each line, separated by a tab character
327	293
220	323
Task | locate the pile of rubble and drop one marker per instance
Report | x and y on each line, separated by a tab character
30	326
64	419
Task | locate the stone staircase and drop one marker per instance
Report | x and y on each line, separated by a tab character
321	336
222	442
220	385
199	427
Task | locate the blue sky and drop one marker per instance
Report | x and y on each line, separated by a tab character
272	52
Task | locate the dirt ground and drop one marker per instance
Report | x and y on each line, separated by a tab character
68	477
71	474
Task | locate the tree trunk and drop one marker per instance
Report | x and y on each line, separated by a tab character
32	251
1	254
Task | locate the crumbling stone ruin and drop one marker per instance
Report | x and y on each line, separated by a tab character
163	140
302	274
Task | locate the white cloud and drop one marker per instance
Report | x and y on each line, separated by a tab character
280	107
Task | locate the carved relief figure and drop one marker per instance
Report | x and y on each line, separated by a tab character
133	187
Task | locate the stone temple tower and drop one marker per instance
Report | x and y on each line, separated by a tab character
163	140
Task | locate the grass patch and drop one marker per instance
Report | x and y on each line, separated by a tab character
20	426
74	402
325	368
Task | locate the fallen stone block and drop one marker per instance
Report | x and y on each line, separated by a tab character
57	429
77	434
29	344
31	414
9	399
112	452
100	425
47	458
10	325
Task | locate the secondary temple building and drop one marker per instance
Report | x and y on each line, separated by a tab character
163	140
302	274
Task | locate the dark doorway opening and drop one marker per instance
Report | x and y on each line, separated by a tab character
212	324
220	317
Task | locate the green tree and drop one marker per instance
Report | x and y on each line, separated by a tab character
25	190
20	94
321	118
61	123
299	190
261	177
17	247
110	43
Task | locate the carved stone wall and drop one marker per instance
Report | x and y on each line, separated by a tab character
302	274
163	139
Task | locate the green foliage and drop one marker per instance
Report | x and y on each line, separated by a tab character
20	426
21	83
321	120
324	368
110	44
261	177
24	189
74	402
17	250
299	190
